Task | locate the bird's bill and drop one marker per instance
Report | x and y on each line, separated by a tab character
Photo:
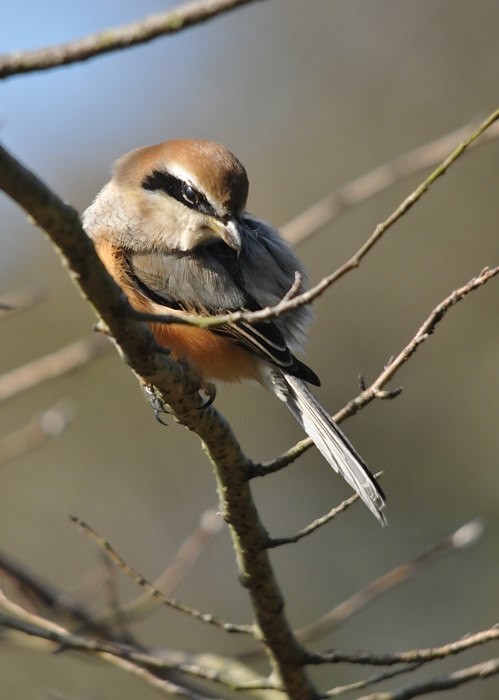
228	231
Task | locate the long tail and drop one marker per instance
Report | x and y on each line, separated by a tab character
333	444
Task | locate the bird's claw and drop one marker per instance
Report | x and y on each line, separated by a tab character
158	405
210	391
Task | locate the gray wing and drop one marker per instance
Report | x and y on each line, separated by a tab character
215	280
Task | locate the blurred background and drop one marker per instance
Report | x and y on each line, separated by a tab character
309	96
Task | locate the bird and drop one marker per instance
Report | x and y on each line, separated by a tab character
171	228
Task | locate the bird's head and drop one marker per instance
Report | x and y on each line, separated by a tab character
173	196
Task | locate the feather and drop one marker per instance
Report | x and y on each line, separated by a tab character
333	444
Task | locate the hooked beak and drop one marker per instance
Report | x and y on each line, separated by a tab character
228	231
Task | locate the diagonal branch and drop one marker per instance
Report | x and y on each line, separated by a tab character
414	655
155	592
179	390
375	390
334	205
486	669
41	428
463	537
20	300
117	38
51	366
188	553
292	301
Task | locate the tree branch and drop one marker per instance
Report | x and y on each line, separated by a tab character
485	669
51	366
155	592
20	300
291	300
375	390
334	205
116	38
36	432
463	537
188	553
177	388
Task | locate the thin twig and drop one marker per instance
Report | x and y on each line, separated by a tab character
464	536
116	38
315	525
371	680
136	662
486	669
286	304
334	205
367	658
187	555
43	596
375	390
21	619
36	432
154	592
50	366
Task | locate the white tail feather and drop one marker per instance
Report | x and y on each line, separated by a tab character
333	444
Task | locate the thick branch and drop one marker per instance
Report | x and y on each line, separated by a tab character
117	38
180	391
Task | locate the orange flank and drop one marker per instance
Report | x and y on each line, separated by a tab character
215	357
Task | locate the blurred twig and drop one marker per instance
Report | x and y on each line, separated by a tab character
50	366
464	536
113	39
154	592
36	432
384	176
439	683
20	300
188	553
136	662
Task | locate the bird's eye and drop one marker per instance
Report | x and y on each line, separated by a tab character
190	195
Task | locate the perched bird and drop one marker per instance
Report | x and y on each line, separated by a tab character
171	228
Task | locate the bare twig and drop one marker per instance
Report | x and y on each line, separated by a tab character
371	680
154	592
374	391
34	434
381	178
315	525
188	553
21	619
286	304
44	597
50	366
414	655
20	300
113	39
486	669
464	536
136	662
